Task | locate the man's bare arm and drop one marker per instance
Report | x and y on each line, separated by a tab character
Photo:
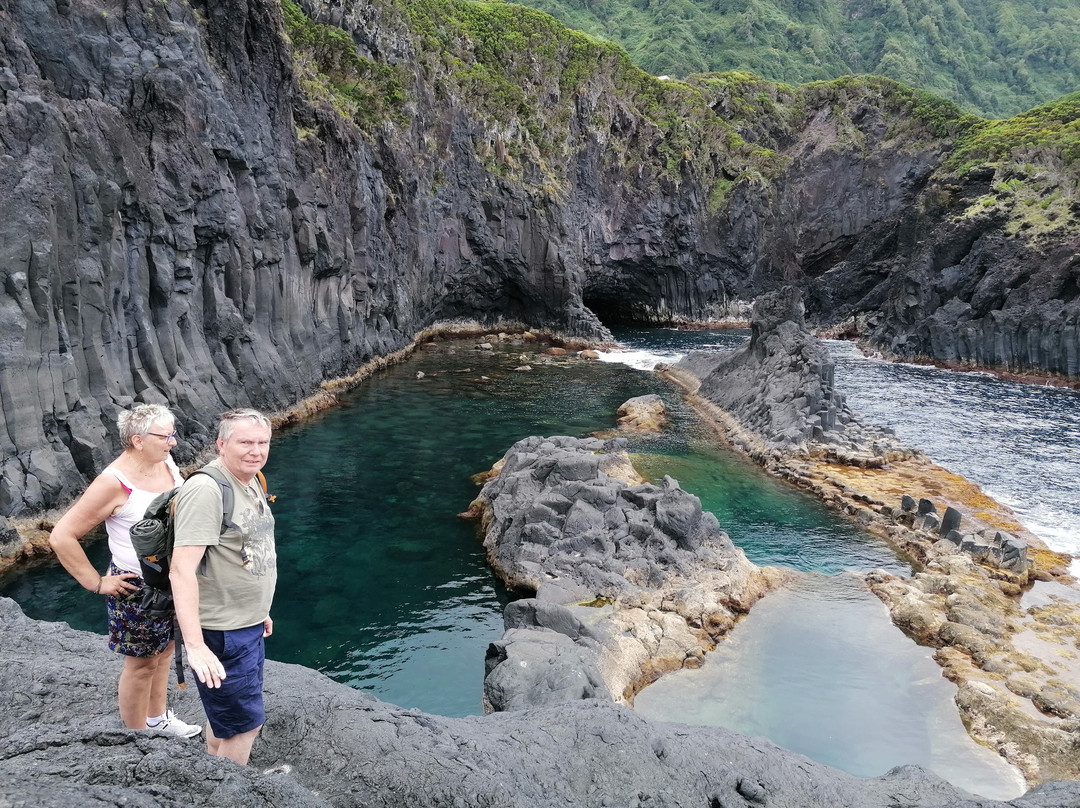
185	589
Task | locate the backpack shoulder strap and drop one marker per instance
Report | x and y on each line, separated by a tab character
227	497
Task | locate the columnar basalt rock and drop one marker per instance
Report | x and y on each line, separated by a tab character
635	577
973	276
990	546
779	390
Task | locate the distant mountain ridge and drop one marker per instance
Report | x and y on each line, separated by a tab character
996	59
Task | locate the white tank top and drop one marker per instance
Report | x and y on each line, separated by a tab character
119	524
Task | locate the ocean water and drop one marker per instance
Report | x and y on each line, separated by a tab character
1019	442
384	588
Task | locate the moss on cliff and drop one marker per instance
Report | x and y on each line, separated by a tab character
543	91
1051	130
1036	161
331	73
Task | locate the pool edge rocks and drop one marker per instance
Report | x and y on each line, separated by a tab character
773	399
628	580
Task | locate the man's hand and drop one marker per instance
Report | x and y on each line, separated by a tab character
206	666
268	627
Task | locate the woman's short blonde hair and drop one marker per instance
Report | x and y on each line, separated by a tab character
140	419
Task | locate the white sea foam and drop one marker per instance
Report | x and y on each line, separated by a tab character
1055	527
640	360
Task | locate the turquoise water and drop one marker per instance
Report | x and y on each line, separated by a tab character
383	587
818	668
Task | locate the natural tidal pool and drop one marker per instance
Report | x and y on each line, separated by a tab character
384	588
819	668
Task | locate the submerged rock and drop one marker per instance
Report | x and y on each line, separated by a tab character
643	413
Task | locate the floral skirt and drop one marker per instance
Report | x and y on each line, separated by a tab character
132	633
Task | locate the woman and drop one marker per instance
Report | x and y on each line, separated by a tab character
119	497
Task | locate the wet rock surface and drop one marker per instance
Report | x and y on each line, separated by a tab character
643	413
324	744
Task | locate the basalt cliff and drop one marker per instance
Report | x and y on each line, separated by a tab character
214	205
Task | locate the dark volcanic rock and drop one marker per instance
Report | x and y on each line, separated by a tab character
532	667
779	385
9	537
61	744
183	219
966	278
630	580
552	513
167	235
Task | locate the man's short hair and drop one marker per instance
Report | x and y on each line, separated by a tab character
139	420
229	419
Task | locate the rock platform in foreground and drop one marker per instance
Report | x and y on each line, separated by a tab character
325	744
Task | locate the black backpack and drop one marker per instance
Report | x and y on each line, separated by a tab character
152	537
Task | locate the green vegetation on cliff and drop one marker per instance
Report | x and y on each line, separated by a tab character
544	89
332	73
537	84
994	58
1049	130
1036	162
541	93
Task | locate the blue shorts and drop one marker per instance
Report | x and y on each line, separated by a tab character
237	706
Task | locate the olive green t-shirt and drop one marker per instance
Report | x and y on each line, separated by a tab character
238	572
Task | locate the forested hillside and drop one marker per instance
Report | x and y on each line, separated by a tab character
993	57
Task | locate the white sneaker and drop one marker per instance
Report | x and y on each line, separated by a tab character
175	727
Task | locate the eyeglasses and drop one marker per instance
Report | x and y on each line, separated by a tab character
170	436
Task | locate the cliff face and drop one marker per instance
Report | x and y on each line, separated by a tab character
215	205
956	278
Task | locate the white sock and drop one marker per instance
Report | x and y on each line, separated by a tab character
153	721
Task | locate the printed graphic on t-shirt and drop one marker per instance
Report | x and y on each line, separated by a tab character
259	554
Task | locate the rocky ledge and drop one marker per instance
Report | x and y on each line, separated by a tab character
776	394
1011	647
325	744
627	579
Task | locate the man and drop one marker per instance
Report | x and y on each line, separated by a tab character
223	583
